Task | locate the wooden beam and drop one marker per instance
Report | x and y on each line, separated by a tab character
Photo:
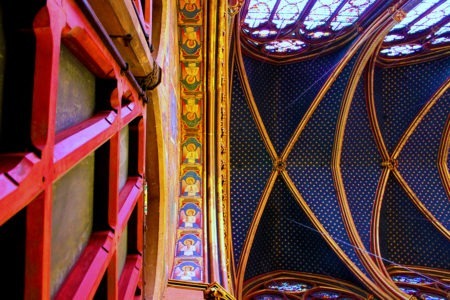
120	20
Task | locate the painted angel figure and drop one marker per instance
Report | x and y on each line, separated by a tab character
187	272
191	187
189	218
189	248
191	154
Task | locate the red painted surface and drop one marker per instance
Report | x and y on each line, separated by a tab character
130	277
86	275
38	241
129	196
185	294
26	179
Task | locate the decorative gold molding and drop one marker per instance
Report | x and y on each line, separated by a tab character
371	110
251	101
255	284
423	112
332	243
217	139
245	253
213	291
391	164
192	266
187	285
423	209
443	157
235	6
399	15
216	292
279	165
374	37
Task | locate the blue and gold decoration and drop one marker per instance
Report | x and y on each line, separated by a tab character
189	11
190	41
192	110
191	151
190	76
189	253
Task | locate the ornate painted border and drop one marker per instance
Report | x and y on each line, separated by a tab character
203	236
190	251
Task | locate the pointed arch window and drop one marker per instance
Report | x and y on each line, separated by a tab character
281	29
424	30
291	30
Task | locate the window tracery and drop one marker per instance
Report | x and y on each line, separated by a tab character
426	27
290	27
283	28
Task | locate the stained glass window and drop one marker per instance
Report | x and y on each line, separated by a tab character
412	279
288	286
259	12
268	297
427	296
284	46
285	27
399	50
325	295
426	27
408	290
419	286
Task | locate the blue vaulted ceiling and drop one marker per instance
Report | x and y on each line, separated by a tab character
310	206
408	238
251	167
360	165
287	240
281	97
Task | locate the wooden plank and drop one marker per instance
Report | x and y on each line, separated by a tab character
38	244
130	276
113	186
20	185
121	22
80	140
129	195
85	277
88	51
129	112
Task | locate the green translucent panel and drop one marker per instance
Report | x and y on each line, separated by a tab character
122	250
76	92
72	219
124	153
